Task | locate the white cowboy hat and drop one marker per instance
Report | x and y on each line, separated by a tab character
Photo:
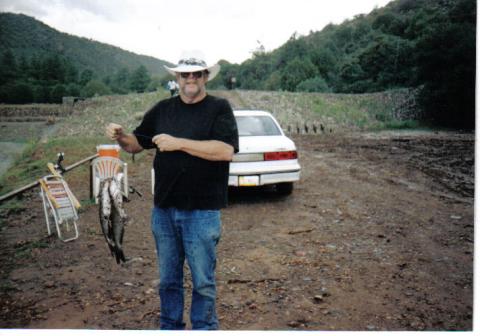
192	62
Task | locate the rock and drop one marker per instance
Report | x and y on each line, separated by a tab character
49	284
294	324
300	253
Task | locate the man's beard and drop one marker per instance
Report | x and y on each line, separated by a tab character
191	93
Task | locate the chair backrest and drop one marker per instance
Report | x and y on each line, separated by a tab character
105	167
58	192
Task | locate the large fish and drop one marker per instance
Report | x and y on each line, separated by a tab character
112	216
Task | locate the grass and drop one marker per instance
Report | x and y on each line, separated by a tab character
402	124
32	164
361	112
78	135
125	110
26	249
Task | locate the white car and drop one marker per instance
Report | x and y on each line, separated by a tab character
266	155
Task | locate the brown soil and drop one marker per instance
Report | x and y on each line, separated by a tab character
378	235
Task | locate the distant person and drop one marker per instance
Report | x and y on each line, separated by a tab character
172	86
194	135
177	88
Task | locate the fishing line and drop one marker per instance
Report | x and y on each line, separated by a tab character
143	136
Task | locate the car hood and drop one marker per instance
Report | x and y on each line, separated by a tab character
256	144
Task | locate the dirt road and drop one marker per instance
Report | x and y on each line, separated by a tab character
378	235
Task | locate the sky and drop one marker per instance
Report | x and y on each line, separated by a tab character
228	30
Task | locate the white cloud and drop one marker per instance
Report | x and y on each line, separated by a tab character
164	29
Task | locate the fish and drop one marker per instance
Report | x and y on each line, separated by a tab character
113	217
119	219
105	210
116	196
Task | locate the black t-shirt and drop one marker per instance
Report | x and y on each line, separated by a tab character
184	181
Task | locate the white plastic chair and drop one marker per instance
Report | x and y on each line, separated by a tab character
105	167
59	204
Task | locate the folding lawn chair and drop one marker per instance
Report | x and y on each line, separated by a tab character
59	204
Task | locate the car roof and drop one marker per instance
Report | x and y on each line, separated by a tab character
251	113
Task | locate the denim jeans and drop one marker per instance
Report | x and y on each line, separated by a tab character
193	235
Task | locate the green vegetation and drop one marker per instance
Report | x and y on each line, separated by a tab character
11	206
50	79
408	43
124	110
78	137
422	44
33	162
363	112
39	64
25	250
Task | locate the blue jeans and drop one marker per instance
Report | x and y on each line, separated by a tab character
192	234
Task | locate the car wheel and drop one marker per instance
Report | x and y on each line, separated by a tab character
285	188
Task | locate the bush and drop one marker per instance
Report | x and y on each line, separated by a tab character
57	93
316	84
73	90
16	93
95	88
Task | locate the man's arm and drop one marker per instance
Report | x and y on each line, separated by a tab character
212	150
128	142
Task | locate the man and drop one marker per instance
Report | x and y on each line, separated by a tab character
172	86
195	136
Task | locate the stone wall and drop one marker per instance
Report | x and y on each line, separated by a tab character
34	112
405	103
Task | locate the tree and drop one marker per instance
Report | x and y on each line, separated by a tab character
324	60
447	66
297	71
73	90
53	69
120	81
8	67
95	88
71	72
316	84
295	47
351	74
86	76
41	94
140	79
16	93
57	93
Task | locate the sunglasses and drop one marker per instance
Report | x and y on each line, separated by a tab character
196	74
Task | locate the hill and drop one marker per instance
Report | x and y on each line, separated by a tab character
408	43
28	37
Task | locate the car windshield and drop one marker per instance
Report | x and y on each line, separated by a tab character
256	126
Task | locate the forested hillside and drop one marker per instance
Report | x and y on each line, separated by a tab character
408	43
423	44
41	64
28	37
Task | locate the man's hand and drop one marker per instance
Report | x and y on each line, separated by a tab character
167	143
114	131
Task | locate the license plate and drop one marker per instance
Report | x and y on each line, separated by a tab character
248	181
